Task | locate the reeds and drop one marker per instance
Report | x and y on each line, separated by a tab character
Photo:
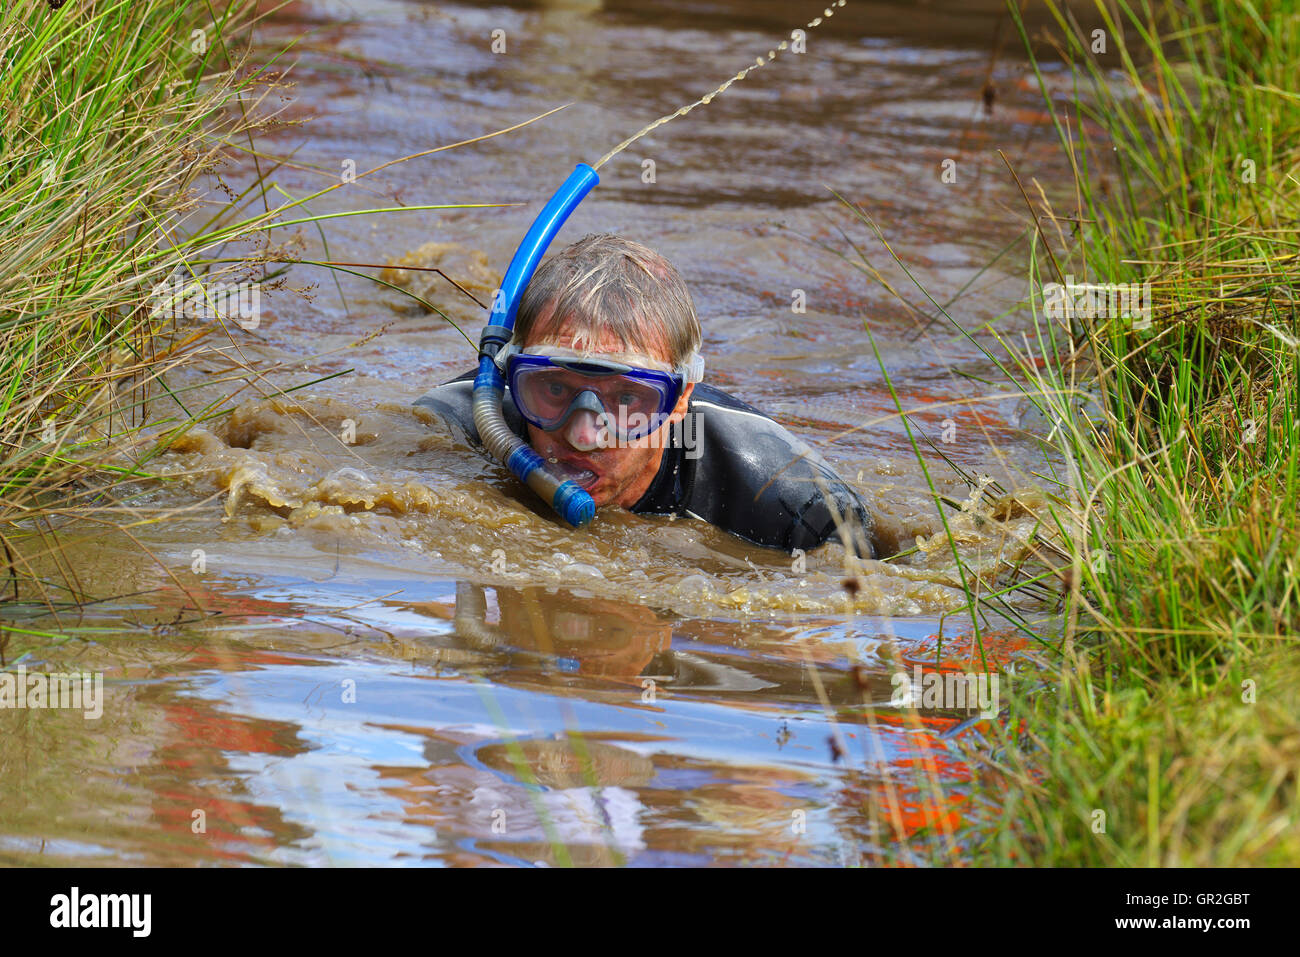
114	114
112	109
1173	739
1168	736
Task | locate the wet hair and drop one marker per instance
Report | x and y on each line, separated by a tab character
604	283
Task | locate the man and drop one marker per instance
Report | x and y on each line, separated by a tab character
603	381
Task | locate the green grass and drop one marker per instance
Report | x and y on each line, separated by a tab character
1174	716
1164	733
114	114
112	111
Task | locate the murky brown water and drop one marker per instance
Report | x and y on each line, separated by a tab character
353	640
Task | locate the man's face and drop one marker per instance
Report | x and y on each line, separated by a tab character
622	470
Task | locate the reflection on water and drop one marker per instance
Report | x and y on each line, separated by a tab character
309	723
355	641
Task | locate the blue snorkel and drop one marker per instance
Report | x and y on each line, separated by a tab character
565	496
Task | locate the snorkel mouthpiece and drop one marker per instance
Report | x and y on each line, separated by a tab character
568	498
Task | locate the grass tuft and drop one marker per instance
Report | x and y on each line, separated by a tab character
1166	735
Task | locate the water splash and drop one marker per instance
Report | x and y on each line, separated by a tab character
708	97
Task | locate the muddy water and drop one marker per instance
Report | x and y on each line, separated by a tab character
336	635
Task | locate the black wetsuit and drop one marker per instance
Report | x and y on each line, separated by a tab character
740	471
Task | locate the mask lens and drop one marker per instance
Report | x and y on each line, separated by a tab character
546	393
624	396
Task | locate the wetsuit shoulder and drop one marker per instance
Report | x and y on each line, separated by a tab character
453	402
759	481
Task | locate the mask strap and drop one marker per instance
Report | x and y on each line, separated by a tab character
502	358
693	368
